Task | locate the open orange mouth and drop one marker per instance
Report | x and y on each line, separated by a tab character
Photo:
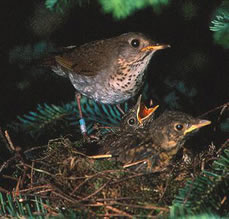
143	112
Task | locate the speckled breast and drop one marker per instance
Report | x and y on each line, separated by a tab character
110	88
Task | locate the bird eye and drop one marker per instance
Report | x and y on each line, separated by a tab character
135	43
179	127
131	121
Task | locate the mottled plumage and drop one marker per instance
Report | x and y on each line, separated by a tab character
156	144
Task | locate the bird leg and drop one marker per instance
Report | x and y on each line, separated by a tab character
83	127
81	121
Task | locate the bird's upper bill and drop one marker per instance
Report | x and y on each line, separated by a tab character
199	124
143	111
155	47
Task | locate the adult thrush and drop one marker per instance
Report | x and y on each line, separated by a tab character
109	71
155	145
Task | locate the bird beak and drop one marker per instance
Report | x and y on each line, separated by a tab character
155	47
143	111
200	124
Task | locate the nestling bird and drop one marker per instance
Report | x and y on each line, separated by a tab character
155	145
139	116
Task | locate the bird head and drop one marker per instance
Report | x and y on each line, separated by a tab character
137	116
174	128
137	46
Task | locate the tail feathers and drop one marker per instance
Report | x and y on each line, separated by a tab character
52	60
47	62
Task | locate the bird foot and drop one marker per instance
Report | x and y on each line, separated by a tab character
90	138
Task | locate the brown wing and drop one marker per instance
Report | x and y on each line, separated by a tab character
138	150
128	147
64	62
88	59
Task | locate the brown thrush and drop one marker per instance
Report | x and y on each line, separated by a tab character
109	71
157	143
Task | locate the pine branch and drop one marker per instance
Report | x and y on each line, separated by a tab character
220	25
118	8
47	116
62	5
121	9
33	207
207	193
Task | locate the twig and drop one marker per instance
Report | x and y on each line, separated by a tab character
66	197
38	170
6	163
130	177
50	210
5	141
77	187
17	190
101	156
134	163
43	191
223	200
79	153
95	175
69	199
121	216
9	177
105	203
94	193
150	207
87	178
10	143
224	106
3	190
36	187
224	145
109	207
31	174
143	206
30	150
167	184
120	109
123	213
115	199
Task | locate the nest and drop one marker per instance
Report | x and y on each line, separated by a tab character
69	179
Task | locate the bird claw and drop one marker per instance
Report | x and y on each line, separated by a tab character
90	138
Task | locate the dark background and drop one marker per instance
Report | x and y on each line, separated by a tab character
192	76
